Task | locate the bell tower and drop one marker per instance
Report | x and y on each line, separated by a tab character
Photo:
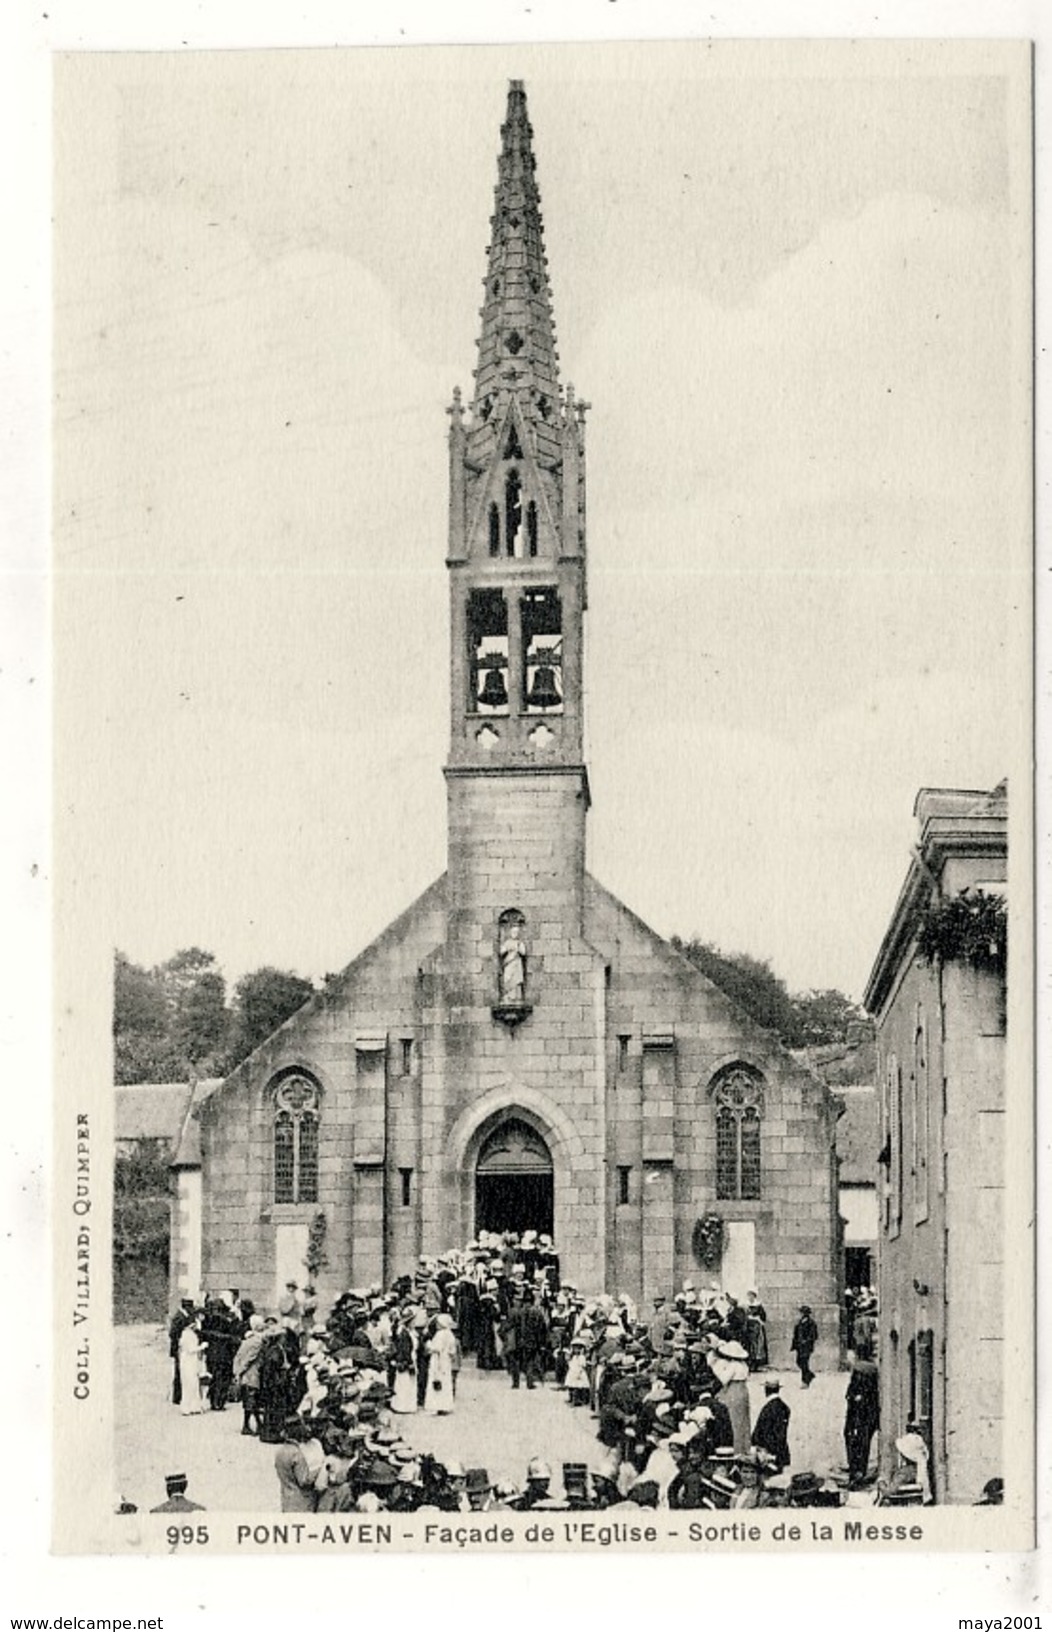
516	508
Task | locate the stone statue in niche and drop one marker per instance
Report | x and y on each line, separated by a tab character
512	949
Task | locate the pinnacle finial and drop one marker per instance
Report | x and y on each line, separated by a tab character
516	349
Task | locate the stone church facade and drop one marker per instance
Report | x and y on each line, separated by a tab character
518	1049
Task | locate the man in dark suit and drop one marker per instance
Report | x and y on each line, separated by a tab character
529	1327
805	1336
771	1432
176	1327
861	1418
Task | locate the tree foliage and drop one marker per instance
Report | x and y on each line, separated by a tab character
971	927
174	1019
263	1000
806	1018
141	1042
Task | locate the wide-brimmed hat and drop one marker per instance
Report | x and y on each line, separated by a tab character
379	1473
607	1467
477	1480
731	1351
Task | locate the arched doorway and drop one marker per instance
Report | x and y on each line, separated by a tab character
514	1182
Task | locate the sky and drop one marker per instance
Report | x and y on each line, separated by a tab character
793	286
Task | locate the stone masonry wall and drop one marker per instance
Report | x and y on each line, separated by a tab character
655	997
517	842
359	1145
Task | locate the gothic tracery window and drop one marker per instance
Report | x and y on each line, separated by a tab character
296	1107
738	1104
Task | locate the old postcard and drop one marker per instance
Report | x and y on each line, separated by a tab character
543	592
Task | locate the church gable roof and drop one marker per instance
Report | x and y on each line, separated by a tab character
611	926
419	918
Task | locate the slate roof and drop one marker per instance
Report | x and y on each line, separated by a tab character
150	1110
162	1110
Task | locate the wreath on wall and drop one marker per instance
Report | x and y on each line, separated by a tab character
316	1258
971	927
708	1239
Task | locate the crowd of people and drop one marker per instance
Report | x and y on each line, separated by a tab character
668	1388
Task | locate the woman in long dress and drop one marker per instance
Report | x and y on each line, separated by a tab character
756	1333
442	1349
403	1354
191	1368
730	1365
274	1401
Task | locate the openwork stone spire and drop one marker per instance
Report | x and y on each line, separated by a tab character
516	352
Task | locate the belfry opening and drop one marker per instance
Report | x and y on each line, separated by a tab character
514	1181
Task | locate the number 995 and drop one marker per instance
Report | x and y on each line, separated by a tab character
187	1535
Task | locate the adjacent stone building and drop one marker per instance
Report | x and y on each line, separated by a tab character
937	991
848	1070
518	1049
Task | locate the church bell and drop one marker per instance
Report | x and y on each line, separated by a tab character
543	692
494	693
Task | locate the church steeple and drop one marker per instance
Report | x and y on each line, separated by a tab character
516	349
516	507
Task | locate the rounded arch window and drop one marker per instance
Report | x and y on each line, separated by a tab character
738	1105
297	1107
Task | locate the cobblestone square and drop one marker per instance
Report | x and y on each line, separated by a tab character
493	1427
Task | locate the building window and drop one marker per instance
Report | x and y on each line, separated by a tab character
407	1056
891	1153
739	1104
897	1158
406	1176
513	514
531	527
296	1140
494	530
623	1176
622	1051
921	1120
